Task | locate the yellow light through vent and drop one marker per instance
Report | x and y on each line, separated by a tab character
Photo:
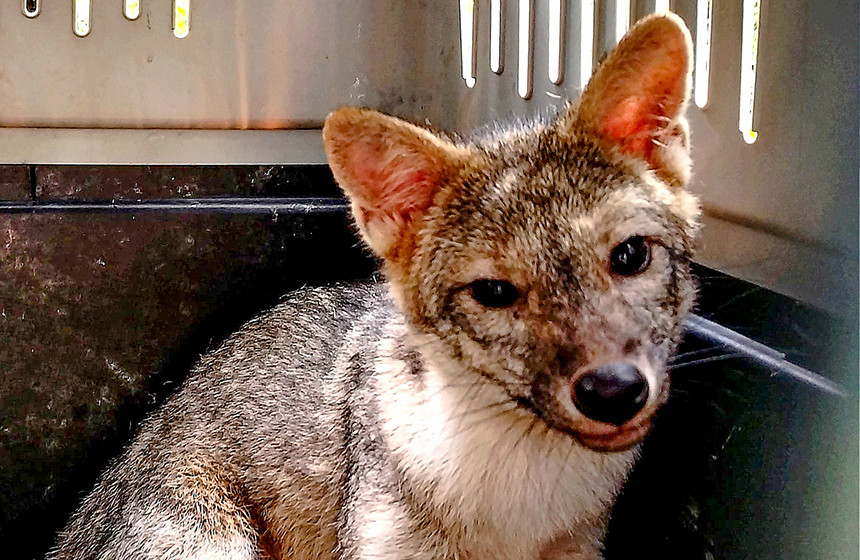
556	44
586	44
467	41
496	30
703	52
524	61
622	18
181	18
131	9
81	17
749	57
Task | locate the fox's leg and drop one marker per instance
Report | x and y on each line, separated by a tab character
377	525
577	552
582	542
186	508
153	532
384	530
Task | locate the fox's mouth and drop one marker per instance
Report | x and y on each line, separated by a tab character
618	438
596	436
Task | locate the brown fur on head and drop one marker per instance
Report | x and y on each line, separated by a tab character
542	208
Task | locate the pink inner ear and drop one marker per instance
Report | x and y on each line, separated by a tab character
396	181
631	124
641	88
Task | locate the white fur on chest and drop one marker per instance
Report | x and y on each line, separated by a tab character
489	466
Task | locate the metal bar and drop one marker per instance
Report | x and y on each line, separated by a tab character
183	206
757	352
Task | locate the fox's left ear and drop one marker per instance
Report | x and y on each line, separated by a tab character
636	99
391	170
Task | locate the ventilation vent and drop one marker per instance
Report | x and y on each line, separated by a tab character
31	8
575	33
82	14
749	52
131	9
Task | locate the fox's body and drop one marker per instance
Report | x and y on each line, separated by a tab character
289	457
487	401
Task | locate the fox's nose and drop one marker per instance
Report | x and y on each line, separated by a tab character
611	394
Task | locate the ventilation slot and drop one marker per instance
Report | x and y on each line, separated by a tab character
703	52
576	33
131	9
622	18
749	55
181	18
586	44
526	46
31	8
81	15
497	36
557	26
467	41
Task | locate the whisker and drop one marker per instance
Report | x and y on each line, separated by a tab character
502	437
721	357
487	407
563	468
490	418
500	440
712	386
692	353
734	299
525	433
453	385
470	393
674	397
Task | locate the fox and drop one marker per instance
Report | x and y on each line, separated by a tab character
489	397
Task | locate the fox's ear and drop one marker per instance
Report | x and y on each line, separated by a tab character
390	170
636	99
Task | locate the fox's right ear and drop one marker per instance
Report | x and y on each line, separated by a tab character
636	100
390	170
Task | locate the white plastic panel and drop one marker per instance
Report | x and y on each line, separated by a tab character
261	64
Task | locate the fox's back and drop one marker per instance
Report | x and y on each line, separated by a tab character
255	433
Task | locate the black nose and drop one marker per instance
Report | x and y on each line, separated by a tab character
611	394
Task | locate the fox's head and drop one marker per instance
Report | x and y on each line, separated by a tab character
553	259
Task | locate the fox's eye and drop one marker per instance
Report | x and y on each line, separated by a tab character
494	293
631	256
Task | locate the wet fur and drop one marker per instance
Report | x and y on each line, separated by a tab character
405	420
